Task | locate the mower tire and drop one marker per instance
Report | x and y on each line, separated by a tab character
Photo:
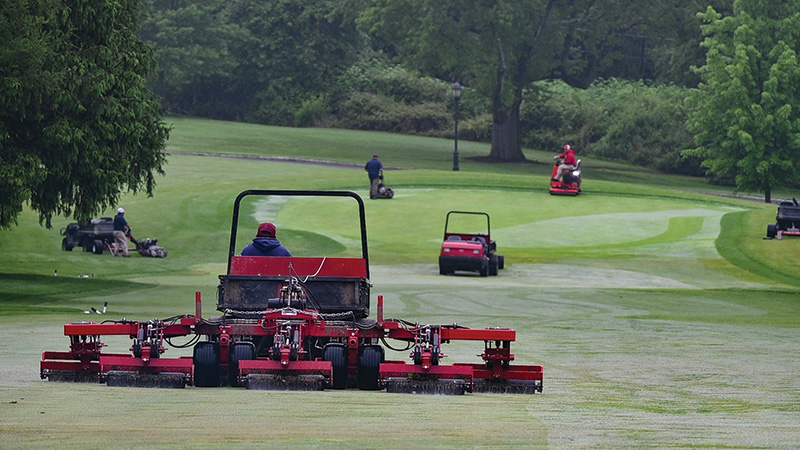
207	371
241	351
772	230
369	367
337	354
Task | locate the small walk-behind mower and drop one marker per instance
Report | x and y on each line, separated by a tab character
570	183
383	191
472	252
787	221
298	323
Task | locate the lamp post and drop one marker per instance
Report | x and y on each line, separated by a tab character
457	88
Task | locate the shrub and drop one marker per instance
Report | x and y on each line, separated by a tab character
367	111
612	119
312	112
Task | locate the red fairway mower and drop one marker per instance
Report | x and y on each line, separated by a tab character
292	323
471	252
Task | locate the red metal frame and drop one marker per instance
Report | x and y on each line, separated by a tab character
86	356
300	267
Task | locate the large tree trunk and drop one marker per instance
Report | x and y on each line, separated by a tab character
506	141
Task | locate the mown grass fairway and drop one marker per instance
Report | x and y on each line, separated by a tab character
661	316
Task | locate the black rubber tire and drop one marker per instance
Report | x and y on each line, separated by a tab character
492	268
98	247
337	354
772	230
65	246
443	271
207	372
501	262
369	366
241	351
484	270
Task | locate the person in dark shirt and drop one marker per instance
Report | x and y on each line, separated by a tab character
265	243
374	169
121	231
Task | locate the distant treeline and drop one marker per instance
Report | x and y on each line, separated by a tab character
305	63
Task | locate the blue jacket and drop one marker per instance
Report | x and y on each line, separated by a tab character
120	224
265	246
373	168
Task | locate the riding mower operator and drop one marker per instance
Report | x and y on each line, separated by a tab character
265	243
569	162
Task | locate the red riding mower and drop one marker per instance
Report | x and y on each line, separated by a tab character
570	183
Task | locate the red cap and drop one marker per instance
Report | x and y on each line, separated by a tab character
266	230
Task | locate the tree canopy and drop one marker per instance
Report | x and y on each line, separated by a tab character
498	48
746	112
78	125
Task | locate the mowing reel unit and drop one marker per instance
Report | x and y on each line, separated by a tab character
292	323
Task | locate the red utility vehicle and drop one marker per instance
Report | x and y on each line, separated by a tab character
299	323
472	252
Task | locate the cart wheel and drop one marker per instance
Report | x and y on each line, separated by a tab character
65	246
337	355
501	262
493	267
206	364
484	270
369	367
242	351
98	247
443	271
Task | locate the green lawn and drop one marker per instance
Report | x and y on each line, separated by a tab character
661	316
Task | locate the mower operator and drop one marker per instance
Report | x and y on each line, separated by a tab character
265	243
374	169
568	164
121	230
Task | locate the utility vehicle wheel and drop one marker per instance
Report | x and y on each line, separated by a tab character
337	355
772	230
484	270
501	262
369	365
97	248
64	245
241	351
206	364
493	267
443	271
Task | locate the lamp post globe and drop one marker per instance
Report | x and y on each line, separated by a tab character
457	88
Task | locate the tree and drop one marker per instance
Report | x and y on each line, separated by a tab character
77	123
746	112
292	51
499	48
196	72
